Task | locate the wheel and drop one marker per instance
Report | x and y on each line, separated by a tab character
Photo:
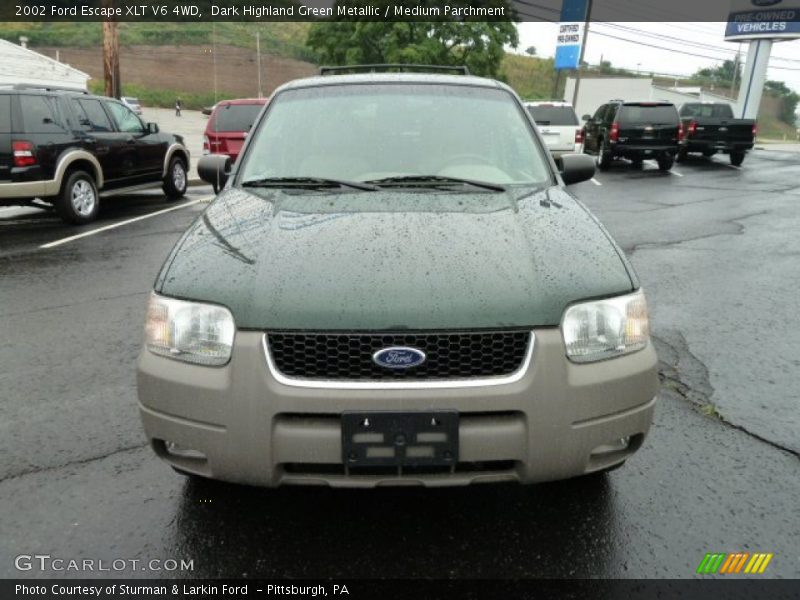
737	158
78	202
683	154
175	182
604	157
665	163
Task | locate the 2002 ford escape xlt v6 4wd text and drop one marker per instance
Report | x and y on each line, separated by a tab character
394	287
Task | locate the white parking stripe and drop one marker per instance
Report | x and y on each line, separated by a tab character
121	223
731	166
675	173
594	181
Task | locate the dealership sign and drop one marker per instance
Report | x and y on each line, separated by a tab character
763	19
570	34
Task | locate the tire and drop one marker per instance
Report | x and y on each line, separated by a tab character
176	179
665	163
216	187
78	202
603	157
682	155
737	158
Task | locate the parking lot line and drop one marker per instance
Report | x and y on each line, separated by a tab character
594	181
121	223
675	173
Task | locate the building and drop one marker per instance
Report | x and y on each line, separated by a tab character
19	64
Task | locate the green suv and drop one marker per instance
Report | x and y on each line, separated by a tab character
394	287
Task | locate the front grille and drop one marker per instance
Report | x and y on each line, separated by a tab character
348	356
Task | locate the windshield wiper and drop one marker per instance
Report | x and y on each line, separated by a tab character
436	180
308	183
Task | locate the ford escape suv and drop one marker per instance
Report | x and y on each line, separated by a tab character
69	148
393	287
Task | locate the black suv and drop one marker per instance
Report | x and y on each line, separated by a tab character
67	148
633	130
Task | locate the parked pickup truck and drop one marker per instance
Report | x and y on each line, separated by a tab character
710	127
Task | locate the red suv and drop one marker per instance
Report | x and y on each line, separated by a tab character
228	125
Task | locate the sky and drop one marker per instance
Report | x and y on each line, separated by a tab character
703	39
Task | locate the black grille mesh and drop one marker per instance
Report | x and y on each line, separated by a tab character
348	356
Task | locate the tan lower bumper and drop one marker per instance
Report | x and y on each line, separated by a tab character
559	420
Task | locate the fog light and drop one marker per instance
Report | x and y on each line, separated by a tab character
616	446
176	450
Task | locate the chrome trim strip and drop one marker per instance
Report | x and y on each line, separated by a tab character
400	385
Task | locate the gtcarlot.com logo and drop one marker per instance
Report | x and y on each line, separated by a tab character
46	562
734	563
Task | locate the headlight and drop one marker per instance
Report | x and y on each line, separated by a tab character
189	331
605	328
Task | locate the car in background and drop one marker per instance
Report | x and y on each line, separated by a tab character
67	149
633	130
228	126
559	125
132	103
396	287
711	128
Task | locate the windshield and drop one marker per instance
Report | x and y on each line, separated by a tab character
649	114
553	115
372	132
236	117
717	111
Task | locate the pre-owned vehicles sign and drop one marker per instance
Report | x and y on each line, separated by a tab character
754	19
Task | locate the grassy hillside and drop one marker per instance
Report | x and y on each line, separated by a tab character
531	77
280	39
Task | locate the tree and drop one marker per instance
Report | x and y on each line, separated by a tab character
722	73
477	44
789	97
530	51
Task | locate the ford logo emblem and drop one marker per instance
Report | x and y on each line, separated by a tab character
766	2
398	357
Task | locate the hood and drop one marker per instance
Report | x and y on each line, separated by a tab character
395	260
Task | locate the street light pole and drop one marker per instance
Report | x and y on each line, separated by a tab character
258	55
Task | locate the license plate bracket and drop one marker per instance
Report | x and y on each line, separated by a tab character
390	438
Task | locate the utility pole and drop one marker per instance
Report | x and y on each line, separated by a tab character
735	70
583	52
258	55
113	85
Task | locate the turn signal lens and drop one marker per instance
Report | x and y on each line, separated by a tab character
606	328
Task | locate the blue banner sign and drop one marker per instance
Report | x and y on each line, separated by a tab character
570	34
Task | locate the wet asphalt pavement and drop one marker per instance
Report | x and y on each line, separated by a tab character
718	253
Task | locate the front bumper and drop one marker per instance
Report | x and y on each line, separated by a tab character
554	421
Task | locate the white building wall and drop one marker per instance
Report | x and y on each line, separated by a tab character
595	91
20	65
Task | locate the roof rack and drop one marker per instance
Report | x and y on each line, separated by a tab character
46	88
382	68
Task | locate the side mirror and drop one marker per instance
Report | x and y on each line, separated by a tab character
152	128
576	168
586	118
214	169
